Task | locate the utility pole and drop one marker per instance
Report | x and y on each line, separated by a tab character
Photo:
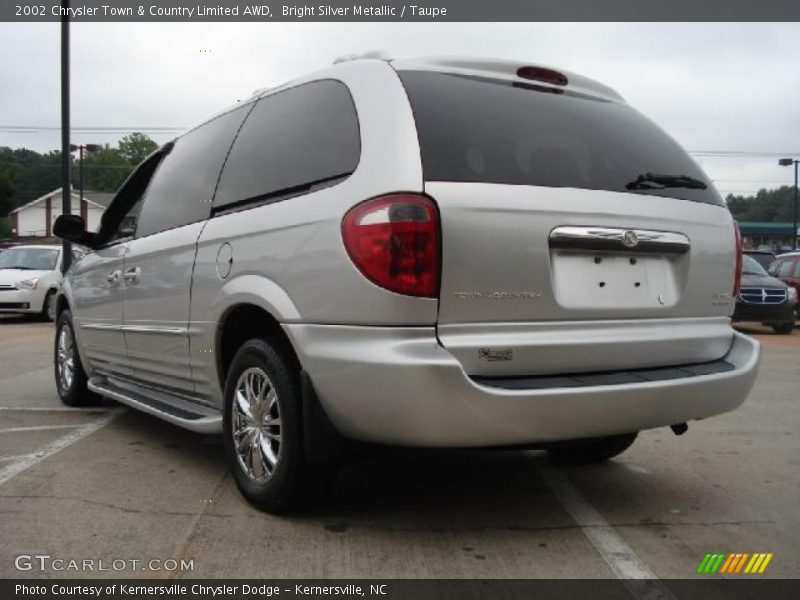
66	187
788	162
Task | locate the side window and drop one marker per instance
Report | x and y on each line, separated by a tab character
119	220
182	188
785	269
292	141
127	226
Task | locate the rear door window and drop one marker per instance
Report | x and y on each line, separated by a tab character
293	141
182	189
474	129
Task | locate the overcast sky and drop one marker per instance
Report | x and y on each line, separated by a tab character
711	86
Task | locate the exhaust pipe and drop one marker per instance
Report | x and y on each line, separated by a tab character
679	428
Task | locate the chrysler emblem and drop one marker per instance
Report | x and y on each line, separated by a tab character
630	239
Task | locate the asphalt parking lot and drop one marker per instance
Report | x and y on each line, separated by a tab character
113	484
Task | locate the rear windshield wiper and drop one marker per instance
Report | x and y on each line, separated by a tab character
20	267
653	181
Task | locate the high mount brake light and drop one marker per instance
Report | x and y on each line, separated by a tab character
542	74
394	241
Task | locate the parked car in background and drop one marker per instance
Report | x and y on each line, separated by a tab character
30	277
434	252
765	299
786	267
763	257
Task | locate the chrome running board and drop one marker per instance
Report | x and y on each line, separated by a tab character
165	406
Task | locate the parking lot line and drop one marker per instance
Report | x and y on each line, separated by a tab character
37	428
620	557
14	457
80	432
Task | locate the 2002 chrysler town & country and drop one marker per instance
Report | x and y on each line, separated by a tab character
440	253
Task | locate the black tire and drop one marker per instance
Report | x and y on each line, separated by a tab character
289	480
783	328
592	451
72	391
48	308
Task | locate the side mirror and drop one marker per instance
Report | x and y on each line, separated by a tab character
72	228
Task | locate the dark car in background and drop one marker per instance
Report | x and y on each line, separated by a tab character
765	299
786	267
764	257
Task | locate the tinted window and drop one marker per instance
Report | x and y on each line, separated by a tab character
182	187
292	141
115	223
486	130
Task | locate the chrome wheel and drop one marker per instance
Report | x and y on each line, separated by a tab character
256	424
66	358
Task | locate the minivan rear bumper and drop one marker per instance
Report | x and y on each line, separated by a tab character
397	385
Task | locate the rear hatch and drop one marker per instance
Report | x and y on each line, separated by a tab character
576	235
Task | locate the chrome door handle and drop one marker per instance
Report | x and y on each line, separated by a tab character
132	275
113	277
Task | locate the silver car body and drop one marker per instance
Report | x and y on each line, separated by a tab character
513	306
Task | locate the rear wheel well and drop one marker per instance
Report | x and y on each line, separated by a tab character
245	322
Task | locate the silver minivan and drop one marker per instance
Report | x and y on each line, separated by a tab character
432	253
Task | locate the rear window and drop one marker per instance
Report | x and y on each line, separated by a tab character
493	131
293	141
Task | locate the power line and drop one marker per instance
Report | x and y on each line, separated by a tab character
742	154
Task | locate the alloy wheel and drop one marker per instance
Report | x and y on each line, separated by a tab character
256	424
66	358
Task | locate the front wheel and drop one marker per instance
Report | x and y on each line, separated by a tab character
783	328
592	451
70	376
263	428
48	313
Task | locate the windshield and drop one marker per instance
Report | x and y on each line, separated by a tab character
39	259
750	266
474	129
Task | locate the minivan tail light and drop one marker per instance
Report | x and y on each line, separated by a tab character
737	276
394	241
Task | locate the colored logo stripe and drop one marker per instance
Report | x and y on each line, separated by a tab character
737	562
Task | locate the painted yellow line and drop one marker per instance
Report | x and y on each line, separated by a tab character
752	566
765	563
728	561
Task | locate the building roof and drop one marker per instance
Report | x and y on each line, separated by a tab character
97	199
765	228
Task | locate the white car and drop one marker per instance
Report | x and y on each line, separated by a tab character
30	277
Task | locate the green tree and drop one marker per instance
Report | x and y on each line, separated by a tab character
770	206
103	171
135	147
8	187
